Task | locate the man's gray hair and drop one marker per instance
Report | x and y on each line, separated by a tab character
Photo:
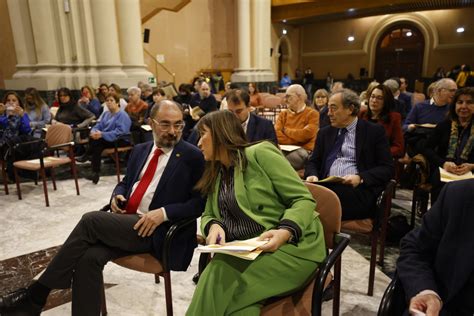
298	90
349	98
164	103
443	83
392	84
147	87
134	89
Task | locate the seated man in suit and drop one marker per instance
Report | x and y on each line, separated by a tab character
355	150
156	191
436	263
256	128
298	125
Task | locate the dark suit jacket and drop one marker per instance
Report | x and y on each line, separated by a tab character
259	128
374	162
439	255
174	192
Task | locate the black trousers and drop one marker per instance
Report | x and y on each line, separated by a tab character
98	238
356	203
96	146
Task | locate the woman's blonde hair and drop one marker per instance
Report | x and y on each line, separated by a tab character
227	135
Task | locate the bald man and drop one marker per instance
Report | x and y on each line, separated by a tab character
298	125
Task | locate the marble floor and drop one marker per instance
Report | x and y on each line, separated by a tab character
31	232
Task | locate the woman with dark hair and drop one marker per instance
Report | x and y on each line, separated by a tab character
320	104
451	144
113	126
255	99
70	113
37	110
252	192
380	110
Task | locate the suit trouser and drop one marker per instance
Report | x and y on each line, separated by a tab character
297	158
98	238
356	203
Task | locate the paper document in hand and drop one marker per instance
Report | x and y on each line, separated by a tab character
289	148
332	179
426	125
446	176
245	249
146	127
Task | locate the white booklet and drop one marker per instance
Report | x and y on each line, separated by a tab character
289	148
448	176
244	249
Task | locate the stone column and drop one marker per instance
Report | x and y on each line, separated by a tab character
130	36
46	42
106	41
243	73
18	11
261	21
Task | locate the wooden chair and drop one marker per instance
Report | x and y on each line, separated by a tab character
145	262
308	299
376	228
272	102
58	137
114	154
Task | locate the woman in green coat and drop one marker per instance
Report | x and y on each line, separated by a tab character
252	191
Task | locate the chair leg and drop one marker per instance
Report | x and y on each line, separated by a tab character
4	176
117	165
103	306
169	301
45	186
157	278
53	179
337	288
74	174
17	181
373	259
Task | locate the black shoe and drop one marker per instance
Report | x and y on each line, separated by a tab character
18	303
196	278
82	159
94	177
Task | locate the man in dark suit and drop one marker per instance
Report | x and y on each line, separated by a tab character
436	263
156	191
355	150
256	128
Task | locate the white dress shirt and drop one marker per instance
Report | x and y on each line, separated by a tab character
149	193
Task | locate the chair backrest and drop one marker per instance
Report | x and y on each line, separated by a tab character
271	102
384	203
329	208
58	134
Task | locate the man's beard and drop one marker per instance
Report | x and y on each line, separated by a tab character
166	140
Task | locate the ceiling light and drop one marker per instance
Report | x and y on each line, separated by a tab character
351	38
460	30
284	31
409	33
350	10
284	21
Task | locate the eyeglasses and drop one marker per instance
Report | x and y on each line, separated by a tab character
377	97
320	97
165	126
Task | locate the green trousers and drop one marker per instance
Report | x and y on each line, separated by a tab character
233	286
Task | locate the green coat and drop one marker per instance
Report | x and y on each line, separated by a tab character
268	191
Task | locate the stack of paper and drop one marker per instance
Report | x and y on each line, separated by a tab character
332	179
244	249
289	148
448	176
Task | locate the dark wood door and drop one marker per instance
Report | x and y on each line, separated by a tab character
400	54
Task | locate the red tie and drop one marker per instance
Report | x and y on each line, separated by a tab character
142	186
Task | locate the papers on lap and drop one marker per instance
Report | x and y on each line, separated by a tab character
146	128
244	249
289	148
446	176
333	179
426	125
